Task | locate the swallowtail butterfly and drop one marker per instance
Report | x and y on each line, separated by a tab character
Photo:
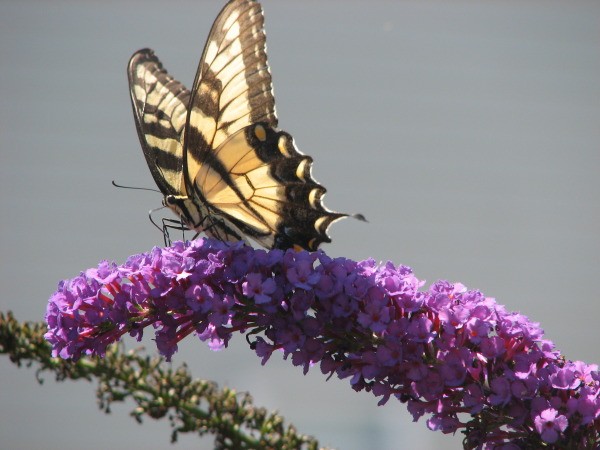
215	152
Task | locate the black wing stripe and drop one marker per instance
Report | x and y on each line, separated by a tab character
252	29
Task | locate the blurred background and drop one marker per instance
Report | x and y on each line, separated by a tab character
467	132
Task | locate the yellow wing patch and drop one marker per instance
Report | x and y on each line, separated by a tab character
251	194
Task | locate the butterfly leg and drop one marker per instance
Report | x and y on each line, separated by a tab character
172	224
220	229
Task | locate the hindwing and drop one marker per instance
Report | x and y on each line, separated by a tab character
262	186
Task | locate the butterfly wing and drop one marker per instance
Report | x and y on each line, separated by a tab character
268	193
232	88
250	177
160	110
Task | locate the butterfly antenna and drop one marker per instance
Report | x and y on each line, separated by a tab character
114	183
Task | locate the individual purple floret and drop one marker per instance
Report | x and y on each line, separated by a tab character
449	353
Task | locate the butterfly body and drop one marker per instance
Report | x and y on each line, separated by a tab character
215	151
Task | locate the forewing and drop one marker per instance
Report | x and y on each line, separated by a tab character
160	111
233	86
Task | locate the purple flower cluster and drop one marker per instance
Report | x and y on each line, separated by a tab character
448	352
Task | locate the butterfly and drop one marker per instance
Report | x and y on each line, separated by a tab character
215	152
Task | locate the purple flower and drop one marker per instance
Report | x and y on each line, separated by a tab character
290	338
421	330
310	353
390	353
299	269
447	352
549	424
564	378
492	347
524	389
263	349
357	284
199	298
477	329
343	306
500	392
443	423
440	295
105	273
474	398
254	287
332	275
415	370
431	386
376	314
454	370
221	310
587	405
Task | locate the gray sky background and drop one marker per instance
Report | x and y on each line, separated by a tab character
467	132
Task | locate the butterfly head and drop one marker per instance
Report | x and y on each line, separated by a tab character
184	208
